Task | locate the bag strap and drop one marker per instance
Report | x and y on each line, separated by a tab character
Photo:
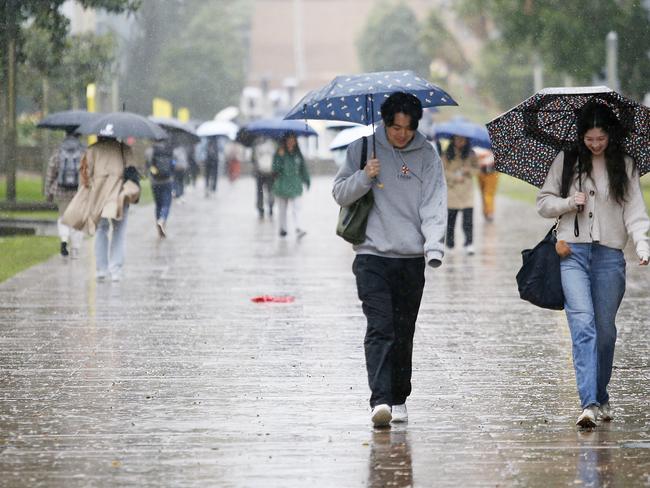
566	168
364	153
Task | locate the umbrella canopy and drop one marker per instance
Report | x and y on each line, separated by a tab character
121	125
358	98
347	136
177	128
218	128
477	134
228	113
67	120
528	137
274	128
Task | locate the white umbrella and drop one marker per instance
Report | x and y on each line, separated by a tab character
228	113
218	128
347	136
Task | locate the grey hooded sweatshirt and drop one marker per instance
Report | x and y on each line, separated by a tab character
409	217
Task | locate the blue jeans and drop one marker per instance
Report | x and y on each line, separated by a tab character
114	260
162	195
593	280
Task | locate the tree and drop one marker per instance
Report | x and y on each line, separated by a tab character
391	40
45	14
438	43
184	55
570	36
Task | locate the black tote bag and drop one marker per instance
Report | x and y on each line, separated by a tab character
539	279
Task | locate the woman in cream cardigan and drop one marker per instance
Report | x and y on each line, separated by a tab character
599	203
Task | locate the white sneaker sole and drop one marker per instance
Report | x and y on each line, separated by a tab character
400	418
381	418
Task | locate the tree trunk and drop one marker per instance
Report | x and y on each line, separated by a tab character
10	100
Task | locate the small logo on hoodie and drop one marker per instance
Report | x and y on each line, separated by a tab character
405	172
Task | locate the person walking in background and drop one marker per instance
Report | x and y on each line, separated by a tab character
160	166
212	156
405	231
263	151
487	181
181	166
460	167
61	183
102	169
290	172
595	193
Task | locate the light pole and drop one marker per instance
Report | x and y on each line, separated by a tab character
612	61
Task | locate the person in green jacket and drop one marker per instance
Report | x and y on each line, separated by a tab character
290	173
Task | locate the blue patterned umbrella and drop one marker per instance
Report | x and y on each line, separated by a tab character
528	137
274	128
357	98
477	134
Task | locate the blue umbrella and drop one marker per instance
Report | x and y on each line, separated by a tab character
477	134
357	98
273	128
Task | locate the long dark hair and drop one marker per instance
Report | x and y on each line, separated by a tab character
596	115
451	149
283	149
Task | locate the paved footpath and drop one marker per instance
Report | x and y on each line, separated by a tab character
173	377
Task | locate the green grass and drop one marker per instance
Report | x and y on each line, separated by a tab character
20	253
29	188
519	190
29	214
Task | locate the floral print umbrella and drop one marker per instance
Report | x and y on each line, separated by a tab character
528	137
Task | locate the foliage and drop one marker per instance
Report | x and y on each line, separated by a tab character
391	40
184	55
438	43
20	253
83	59
570	36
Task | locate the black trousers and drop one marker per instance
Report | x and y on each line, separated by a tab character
390	291
468	225
264	181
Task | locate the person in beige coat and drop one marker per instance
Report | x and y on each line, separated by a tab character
102	171
461	165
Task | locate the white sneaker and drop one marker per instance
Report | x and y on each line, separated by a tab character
399	413
160	225
587	419
115	277
381	415
101	276
469	250
605	411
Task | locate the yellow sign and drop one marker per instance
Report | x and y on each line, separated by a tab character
91	91
183	114
162	108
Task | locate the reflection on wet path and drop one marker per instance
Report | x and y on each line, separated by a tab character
173	377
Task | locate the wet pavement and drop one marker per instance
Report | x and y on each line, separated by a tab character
173	377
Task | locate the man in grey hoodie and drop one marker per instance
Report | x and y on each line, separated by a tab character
406	228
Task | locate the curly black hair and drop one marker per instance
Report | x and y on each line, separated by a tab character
401	102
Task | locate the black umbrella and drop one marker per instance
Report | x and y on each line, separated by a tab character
177	128
121	125
528	137
67	120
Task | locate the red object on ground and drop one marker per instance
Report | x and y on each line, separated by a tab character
269	298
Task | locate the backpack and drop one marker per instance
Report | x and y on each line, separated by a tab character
70	154
162	166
